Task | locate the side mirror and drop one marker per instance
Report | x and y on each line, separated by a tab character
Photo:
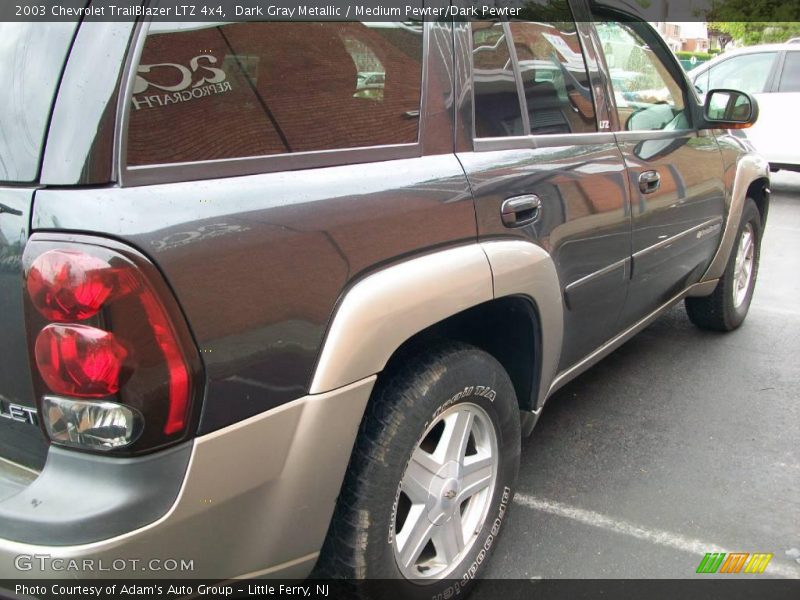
729	109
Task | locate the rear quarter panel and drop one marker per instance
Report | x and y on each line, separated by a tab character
258	262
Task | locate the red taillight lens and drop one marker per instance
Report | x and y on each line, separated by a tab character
65	285
132	347
176	367
81	361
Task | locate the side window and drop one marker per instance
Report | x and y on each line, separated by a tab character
790	77
748	73
553	70
701	82
254	89
647	96
497	108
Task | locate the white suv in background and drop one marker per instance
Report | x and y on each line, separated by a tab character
771	73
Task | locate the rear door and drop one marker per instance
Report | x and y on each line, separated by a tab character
674	172
536	139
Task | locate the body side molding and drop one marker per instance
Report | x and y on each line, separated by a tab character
385	309
567	375
748	168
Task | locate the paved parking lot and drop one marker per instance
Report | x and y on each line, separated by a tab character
681	442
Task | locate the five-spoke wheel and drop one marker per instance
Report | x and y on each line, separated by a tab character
445	492
726	308
431	477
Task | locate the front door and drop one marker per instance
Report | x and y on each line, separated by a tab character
675	173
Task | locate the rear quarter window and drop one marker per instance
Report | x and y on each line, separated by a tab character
790	75
257	89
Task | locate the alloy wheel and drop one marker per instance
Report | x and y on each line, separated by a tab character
743	268
445	493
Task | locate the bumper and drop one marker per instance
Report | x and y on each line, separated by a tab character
256	500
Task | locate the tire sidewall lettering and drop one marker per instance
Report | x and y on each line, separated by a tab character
470	574
490	539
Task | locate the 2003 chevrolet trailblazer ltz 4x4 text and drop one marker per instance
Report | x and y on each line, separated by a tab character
260	315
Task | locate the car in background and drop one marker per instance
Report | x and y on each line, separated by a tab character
370	86
771	73
371	80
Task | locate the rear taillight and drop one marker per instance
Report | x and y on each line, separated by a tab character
115	366
81	361
69	285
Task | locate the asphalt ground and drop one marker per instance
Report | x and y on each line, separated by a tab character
679	443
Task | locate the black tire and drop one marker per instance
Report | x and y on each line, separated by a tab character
719	311
452	379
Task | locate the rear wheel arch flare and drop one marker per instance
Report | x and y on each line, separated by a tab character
383	311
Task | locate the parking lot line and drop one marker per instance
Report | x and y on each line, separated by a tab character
654	536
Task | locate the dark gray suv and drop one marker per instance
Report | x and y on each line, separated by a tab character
284	295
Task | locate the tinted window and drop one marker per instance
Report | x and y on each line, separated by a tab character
647	96
254	89
747	73
32	56
554	77
497	107
790	77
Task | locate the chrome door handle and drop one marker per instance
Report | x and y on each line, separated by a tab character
649	182
520	210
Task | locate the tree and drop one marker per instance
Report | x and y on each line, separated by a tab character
756	32
755	21
723	37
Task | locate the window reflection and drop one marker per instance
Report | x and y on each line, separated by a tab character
646	94
370	72
554	77
497	108
253	89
